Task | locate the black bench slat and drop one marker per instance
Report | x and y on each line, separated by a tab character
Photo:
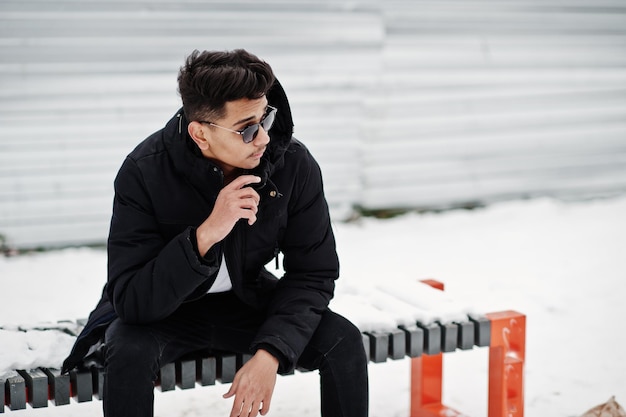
242	358
466	335
81	385
37	387
482	330
167	377
97	380
226	367
449	336
432	338
206	371
379	346
15	393
186	373
397	344
414	340
59	390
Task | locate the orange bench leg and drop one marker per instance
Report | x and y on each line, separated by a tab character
427	381
426	388
507	353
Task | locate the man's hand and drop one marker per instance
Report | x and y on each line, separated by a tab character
234	202
253	385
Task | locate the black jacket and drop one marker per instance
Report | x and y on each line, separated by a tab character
165	189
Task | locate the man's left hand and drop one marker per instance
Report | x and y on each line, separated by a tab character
253	385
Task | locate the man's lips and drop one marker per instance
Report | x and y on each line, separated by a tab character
258	154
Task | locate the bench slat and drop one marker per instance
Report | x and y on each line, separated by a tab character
186	373
379	346
206	371
397	344
482	330
466	335
242	358
37	387
81	385
432	338
449	336
226	368
414	340
59	386
167	377
16	392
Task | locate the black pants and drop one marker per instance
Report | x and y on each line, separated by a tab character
135	353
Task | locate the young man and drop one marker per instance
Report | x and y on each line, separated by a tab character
200	208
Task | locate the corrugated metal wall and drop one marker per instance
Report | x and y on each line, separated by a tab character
489	100
404	103
82	82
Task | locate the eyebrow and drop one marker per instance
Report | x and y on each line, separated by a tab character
242	121
251	118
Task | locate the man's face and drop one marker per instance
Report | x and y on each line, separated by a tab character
227	148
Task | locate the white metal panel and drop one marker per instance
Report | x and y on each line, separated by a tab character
82	82
405	103
486	100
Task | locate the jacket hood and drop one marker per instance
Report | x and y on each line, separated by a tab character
280	134
282	130
188	157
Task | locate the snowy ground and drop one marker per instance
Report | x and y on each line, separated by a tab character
562	264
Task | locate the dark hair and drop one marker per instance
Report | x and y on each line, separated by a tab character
211	78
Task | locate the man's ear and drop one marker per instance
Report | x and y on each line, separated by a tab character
198	134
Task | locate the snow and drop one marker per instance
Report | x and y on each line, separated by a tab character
561	264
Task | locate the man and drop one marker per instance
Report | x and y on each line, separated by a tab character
200	208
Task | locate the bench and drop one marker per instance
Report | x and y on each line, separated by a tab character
502	332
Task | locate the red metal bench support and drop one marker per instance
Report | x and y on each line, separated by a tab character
507	352
506	364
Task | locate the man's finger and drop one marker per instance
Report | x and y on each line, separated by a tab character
254	409
237	408
251	219
250	204
243	180
266	407
230	392
248	192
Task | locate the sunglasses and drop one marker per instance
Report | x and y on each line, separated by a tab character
248	133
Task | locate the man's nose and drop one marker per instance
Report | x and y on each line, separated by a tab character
262	137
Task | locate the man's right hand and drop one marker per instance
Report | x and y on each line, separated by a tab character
235	201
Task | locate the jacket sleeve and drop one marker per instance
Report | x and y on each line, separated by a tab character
311	267
148	278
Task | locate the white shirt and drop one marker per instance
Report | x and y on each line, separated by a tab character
222	281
